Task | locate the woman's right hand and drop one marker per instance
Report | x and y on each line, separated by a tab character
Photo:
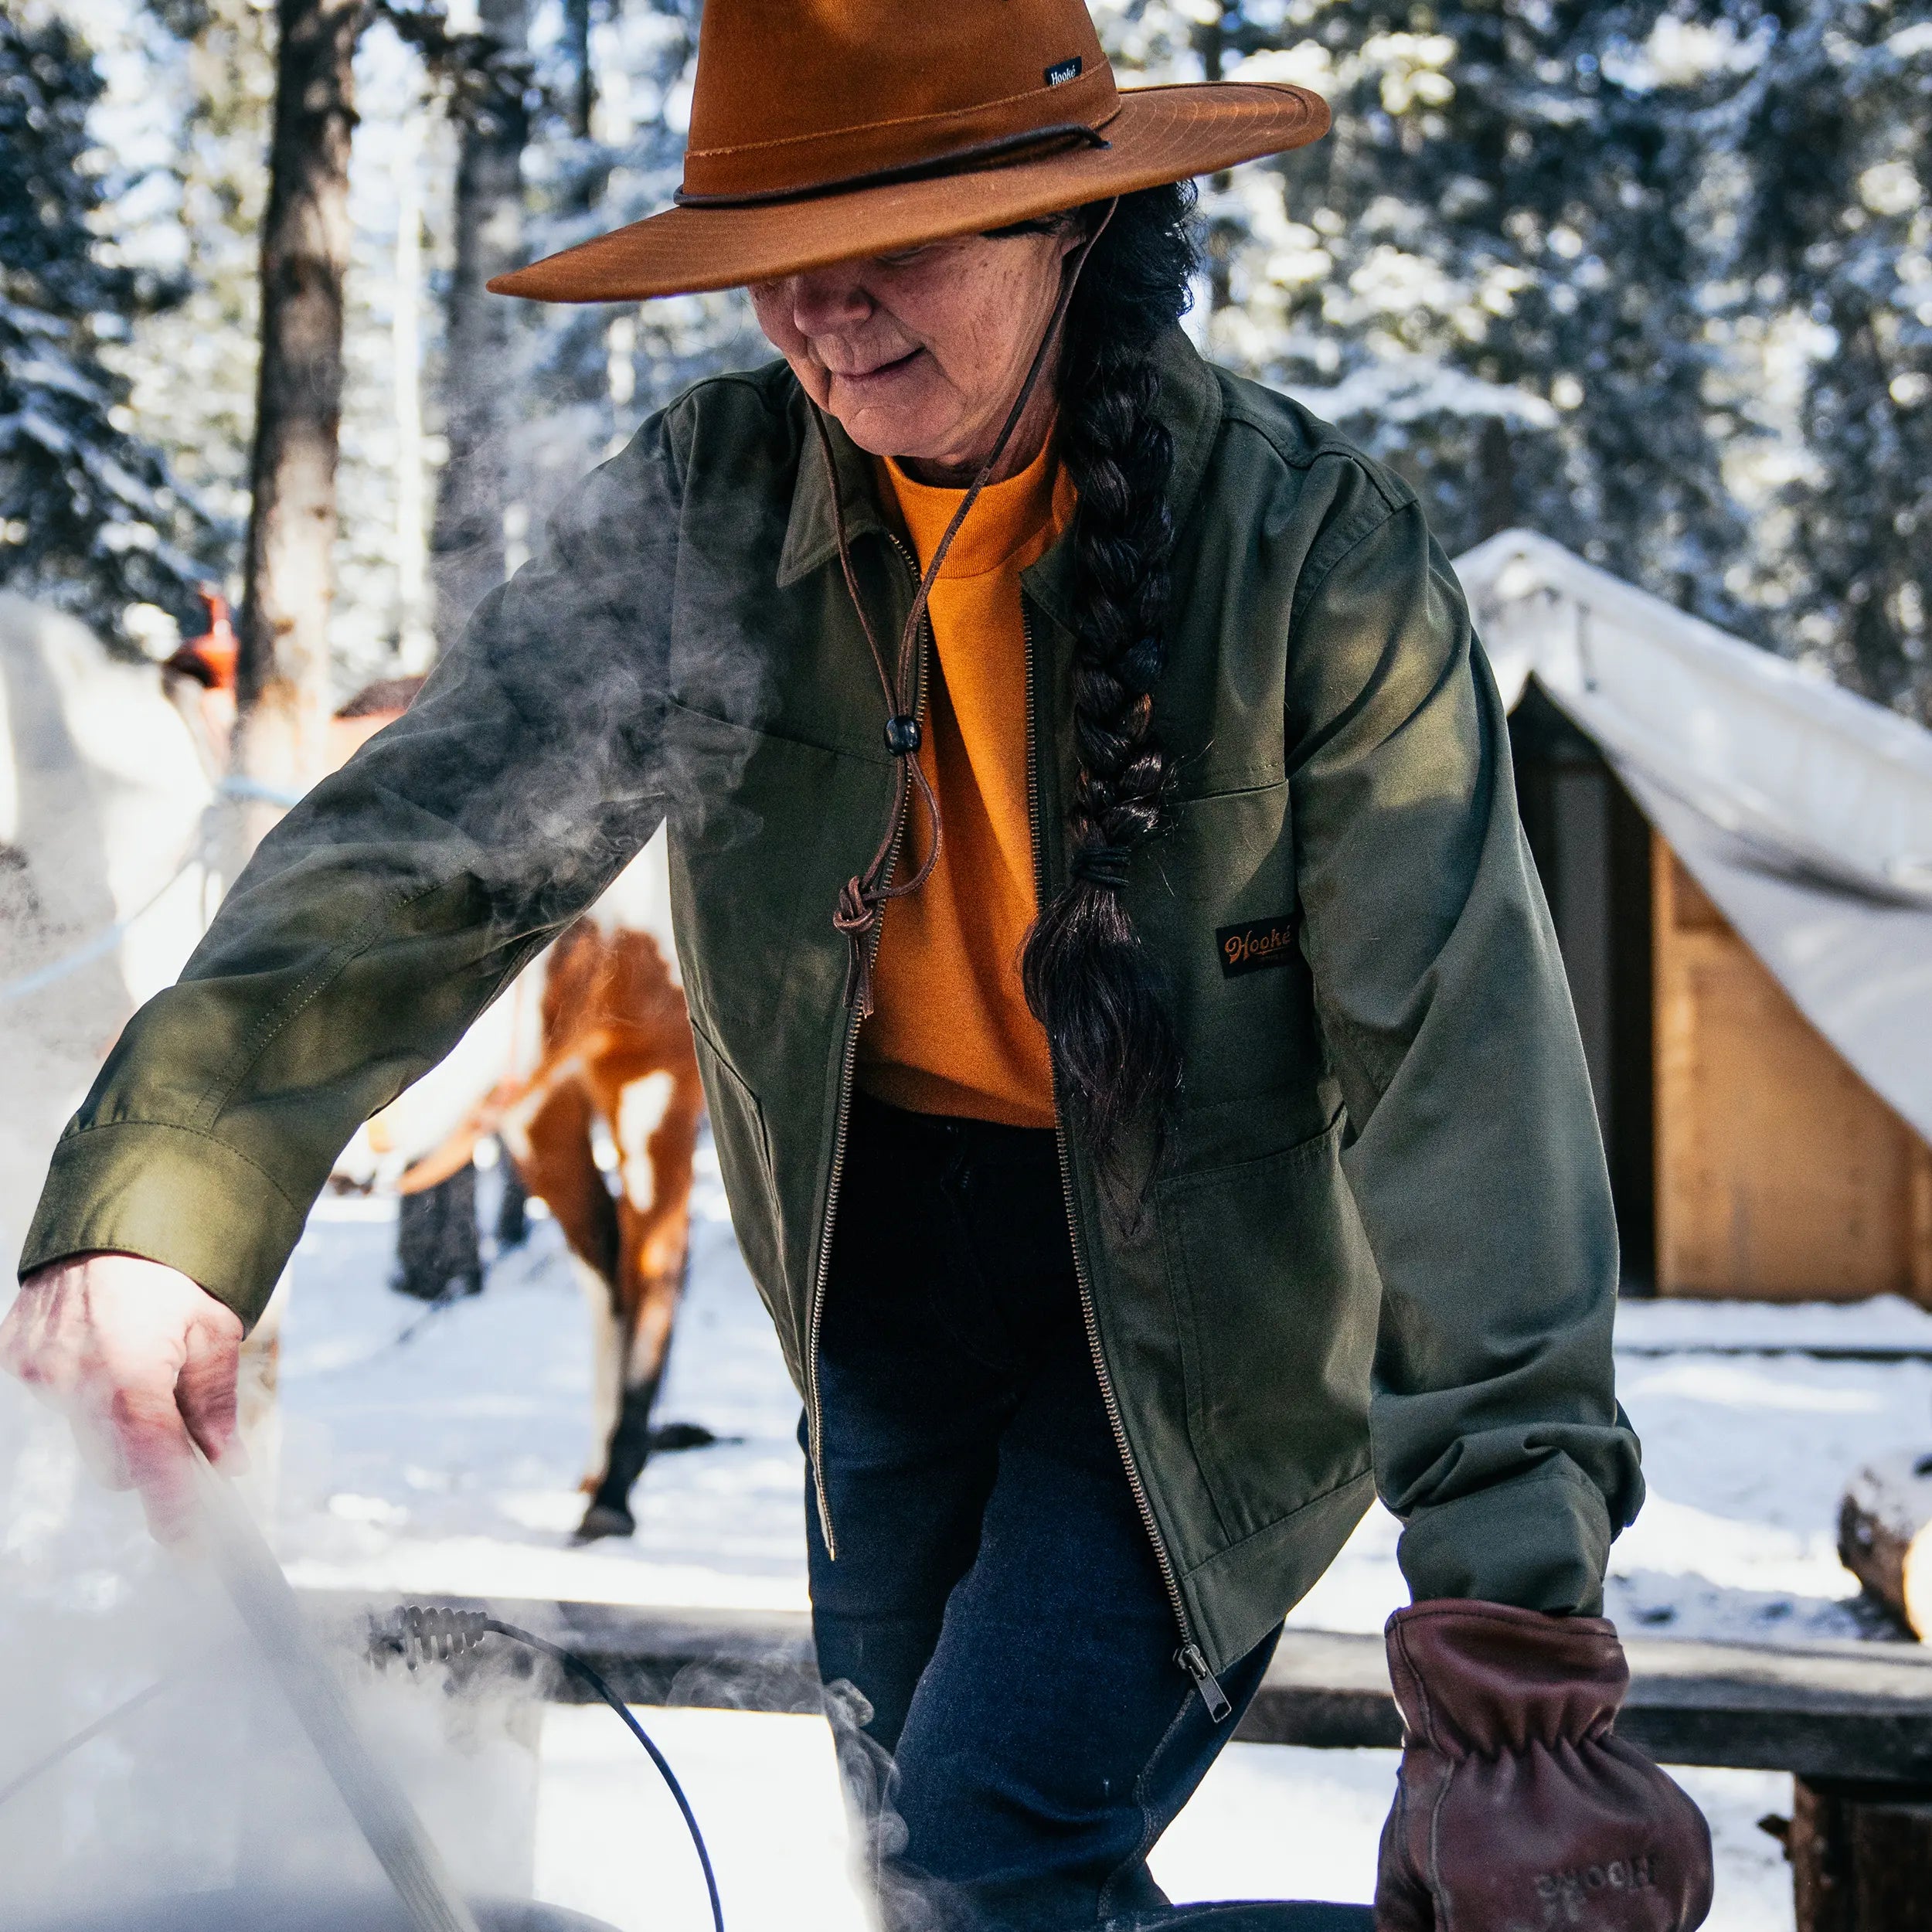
143	1361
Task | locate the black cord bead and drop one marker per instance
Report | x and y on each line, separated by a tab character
902	735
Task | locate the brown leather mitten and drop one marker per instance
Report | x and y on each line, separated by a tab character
1518	1807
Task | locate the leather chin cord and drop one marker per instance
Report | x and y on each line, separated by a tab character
863	896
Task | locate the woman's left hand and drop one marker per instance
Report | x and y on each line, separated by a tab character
1517	1804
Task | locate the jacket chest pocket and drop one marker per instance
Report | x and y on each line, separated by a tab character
1217	904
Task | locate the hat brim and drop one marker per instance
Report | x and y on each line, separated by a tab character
1160	134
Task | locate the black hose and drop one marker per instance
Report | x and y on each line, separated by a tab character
440	1633
578	1668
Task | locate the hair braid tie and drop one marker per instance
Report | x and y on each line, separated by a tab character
1104	865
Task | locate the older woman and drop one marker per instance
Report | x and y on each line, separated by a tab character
1136	1047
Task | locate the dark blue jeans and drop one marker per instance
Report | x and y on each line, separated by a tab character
997	1642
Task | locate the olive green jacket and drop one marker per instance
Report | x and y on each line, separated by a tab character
1380	1252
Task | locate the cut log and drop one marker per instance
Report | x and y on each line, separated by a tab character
1884	1537
1861	1856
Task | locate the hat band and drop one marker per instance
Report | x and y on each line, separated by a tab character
1032	144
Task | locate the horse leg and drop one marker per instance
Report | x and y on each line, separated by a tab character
656	1125
436	1244
553	1150
628	1450
606	1371
512	1209
647	1349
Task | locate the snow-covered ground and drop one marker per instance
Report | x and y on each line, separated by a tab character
1269	1822
449	1461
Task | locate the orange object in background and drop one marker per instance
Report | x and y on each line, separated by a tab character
211	658
210	661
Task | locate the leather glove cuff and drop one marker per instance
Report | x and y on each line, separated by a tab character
1478	1680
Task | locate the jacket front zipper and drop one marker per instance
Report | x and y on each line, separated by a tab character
822	1271
1190	1656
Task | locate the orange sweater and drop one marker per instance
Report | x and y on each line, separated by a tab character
951	1033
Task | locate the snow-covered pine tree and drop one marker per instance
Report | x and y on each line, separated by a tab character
1501	240
1832	139
192	364
1490	272
90	517
595	373
630	364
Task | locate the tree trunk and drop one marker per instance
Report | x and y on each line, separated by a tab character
1884	1537
468	543
415	648
1495	479
583	94
283	671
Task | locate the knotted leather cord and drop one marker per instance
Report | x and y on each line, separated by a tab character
863	896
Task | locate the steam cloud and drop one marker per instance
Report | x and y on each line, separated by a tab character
206	1786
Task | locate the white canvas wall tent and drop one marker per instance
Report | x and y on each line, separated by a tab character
1803	812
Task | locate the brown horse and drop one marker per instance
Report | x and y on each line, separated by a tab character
618	1070
597	1105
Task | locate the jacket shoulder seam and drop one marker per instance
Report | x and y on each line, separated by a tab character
760	381
773	386
1343	543
1303	454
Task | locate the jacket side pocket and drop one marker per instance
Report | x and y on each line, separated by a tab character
744	1159
1276	1300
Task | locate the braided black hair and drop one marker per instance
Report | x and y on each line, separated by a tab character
1088	976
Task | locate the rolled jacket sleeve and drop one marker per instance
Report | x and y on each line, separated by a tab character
1473	1149
388	909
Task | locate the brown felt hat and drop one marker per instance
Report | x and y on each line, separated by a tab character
822	130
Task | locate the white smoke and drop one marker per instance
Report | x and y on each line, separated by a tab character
199	1784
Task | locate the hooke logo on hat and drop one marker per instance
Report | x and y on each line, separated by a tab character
826	130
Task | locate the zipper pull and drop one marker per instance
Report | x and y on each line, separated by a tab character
1189	1658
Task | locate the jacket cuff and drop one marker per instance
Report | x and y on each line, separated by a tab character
1541	1543
173	1195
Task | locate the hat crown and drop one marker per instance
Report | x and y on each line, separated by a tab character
793	96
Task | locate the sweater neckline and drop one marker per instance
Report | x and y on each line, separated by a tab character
1007	517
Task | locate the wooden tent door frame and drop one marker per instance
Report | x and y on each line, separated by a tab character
1592	850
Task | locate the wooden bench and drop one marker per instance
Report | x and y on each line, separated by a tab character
1850	1721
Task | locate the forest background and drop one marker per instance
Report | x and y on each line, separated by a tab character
1655	280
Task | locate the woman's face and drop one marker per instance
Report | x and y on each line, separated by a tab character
920	356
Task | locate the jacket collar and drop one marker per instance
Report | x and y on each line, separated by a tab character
812	534
1189	406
